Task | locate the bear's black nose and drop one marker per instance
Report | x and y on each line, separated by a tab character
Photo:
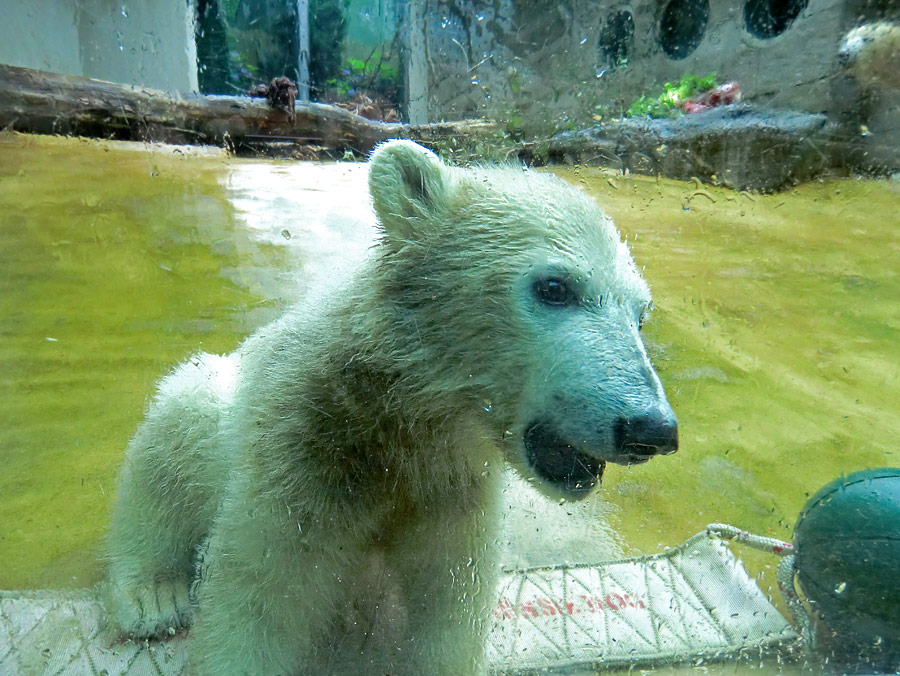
641	437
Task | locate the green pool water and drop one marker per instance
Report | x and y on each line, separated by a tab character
111	271
775	333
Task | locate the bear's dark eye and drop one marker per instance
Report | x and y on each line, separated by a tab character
553	291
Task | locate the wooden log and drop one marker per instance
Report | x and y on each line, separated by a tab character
49	103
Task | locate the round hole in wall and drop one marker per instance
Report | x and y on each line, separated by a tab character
682	26
768	18
617	38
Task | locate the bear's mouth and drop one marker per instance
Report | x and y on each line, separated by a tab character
556	462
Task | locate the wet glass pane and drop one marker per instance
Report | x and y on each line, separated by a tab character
389	337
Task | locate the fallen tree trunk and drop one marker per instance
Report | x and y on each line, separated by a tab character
48	103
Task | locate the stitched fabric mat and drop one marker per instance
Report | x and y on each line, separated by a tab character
692	602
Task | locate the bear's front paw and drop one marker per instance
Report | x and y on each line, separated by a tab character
147	610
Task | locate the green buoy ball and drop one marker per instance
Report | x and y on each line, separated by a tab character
847	560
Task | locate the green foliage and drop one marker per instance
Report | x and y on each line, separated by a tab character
515	125
665	105
375	74
374	67
242	43
328	31
515	81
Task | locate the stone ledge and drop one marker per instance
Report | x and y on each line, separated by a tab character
740	146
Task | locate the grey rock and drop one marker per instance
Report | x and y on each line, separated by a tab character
741	146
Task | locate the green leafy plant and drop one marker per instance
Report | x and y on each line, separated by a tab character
666	104
375	74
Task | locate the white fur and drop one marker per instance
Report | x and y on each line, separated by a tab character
871	53
333	484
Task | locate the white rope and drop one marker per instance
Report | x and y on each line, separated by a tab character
785	574
771	545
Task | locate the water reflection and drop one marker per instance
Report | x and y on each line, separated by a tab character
319	213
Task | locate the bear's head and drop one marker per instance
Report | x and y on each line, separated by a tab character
511	295
871	54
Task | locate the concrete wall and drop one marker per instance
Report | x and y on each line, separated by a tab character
141	42
144	42
556	63
40	35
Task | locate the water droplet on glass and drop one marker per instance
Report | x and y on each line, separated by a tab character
119	41
840	588
480	17
583	40
124	10
486	405
600	73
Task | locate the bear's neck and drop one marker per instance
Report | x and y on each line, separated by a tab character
384	422
387	432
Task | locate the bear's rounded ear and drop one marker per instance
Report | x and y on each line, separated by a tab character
408	183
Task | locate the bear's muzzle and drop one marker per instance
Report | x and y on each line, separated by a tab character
576	468
557	462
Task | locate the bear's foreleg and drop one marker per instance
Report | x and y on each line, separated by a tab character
448	576
168	493
274	583
149	580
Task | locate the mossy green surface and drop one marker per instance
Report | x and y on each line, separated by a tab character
112	260
774	332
